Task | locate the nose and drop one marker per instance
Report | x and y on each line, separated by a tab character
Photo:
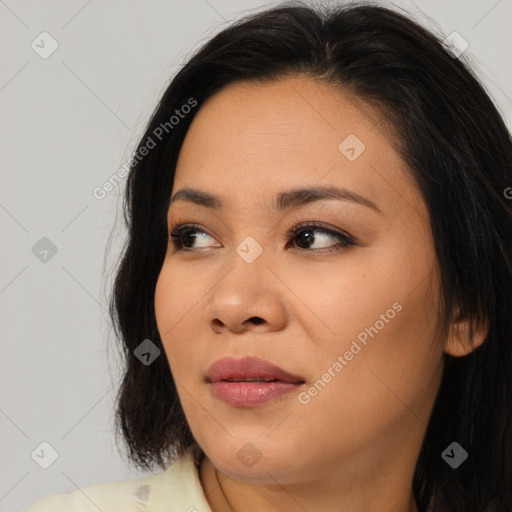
248	297
219	326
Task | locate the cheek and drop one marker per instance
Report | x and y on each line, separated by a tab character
378	310
338	302
385	335
178	309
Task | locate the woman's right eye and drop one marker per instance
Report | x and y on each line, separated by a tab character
187	234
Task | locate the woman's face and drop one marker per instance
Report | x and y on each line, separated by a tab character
349	308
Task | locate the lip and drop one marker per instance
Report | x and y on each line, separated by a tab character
250	394
248	367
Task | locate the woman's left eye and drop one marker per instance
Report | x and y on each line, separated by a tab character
304	234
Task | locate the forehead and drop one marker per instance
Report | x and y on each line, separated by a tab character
251	140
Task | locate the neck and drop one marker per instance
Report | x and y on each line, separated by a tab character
386	494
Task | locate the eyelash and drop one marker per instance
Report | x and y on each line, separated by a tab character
345	241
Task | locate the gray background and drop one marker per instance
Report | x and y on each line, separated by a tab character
69	122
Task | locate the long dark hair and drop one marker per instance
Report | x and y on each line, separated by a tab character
458	150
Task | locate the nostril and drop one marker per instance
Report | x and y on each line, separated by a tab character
217	324
256	320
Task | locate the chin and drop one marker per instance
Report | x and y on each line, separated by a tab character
249	464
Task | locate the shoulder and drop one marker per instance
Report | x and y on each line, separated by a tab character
176	487
107	497
53	502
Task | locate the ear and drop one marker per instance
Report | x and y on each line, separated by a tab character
460	340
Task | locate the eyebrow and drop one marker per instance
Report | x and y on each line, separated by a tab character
284	200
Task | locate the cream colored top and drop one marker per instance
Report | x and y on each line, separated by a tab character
177	489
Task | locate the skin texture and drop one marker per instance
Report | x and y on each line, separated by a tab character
355	444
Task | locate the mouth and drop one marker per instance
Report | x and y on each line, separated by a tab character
249	369
250	381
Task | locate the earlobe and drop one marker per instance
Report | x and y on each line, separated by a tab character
461	341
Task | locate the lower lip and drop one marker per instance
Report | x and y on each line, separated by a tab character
250	394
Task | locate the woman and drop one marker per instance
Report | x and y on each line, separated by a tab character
315	297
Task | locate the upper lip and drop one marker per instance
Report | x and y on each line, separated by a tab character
248	367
